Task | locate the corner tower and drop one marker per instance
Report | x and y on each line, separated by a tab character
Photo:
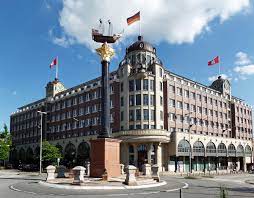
223	86
141	87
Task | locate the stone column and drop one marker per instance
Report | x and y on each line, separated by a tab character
244	165
237	164
135	147
149	153
159	156
106	53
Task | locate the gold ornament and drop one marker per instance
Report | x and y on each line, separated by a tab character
105	52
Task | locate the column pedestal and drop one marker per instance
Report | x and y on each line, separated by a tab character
105	155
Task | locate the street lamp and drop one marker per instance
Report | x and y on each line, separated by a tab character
190	125
41	113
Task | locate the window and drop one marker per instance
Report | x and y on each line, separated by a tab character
193	95
131	100
138	99
193	108
160	72
199	97
186	93
205	111
121	115
131	85
121	87
171	89
171	103
171	116
122	102
138	85
152	85
81	111
199	109
161	100
131	115
145	84
211	101
179	105
205	99
145	99
186	106
210	112
138	114
161	86
152	100
146	114
179	91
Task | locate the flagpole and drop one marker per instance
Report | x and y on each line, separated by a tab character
219	64
140	27
57	67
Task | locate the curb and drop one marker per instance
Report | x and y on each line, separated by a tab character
71	187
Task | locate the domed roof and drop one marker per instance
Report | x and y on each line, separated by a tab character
141	45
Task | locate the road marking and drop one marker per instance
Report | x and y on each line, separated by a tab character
186	185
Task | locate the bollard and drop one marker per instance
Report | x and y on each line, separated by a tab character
180	193
50	172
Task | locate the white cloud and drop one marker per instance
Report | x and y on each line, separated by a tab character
245	70
242	59
215	77
173	21
62	41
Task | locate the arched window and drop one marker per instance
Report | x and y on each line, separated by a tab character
222	149
83	153
240	151
70	154
231	150
198	148
210	148
248	151
183	147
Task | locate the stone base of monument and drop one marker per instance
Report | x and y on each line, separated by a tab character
105	155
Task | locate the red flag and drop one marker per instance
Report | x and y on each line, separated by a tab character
134	18
53	63
214	61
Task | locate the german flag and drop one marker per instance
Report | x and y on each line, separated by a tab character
134	18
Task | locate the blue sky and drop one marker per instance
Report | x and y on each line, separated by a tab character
34	32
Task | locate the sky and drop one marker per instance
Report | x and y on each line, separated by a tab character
186	34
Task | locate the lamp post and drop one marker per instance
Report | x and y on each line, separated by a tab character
189	128
41	113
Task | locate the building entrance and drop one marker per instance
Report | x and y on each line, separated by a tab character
142	156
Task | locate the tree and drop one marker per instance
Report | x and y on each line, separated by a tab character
5	144
50	153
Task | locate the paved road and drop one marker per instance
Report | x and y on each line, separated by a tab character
205	187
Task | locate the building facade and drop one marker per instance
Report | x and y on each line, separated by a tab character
161	117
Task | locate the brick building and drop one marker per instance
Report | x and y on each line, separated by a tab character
161	118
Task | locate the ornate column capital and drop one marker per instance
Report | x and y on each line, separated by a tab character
105	52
